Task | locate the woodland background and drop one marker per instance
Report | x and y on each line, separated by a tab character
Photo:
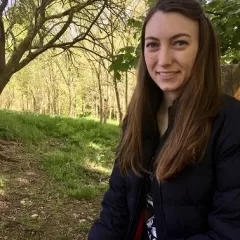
67	72
78	58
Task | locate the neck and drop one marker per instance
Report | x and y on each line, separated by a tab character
168	99
162	115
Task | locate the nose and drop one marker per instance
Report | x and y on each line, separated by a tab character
165	57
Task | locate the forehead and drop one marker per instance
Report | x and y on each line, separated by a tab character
167	24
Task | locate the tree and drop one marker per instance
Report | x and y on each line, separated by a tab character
112	30
30	27
225	14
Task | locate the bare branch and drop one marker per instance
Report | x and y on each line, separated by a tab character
3	6
14	39
80	37
33	55
74	9
61	32
51	43
93	52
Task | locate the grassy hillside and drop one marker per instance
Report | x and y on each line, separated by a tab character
77	153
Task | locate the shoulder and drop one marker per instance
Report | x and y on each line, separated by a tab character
230	105
229	112
226	128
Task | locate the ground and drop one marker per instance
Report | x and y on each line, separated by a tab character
31	207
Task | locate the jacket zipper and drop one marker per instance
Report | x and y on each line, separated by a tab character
164	137
162	212
136	209
159	213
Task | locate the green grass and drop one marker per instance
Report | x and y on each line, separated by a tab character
82	192
84	226
31	223
2	181
76	153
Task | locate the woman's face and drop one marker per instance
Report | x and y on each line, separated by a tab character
170	50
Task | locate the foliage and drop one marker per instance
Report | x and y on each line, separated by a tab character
127	57
125	60
225	15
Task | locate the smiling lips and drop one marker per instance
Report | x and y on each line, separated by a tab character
167	74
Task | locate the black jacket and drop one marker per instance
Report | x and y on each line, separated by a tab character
201	203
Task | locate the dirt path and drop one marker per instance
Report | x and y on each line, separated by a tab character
32	208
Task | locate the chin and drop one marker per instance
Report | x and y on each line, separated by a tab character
171	90
168	89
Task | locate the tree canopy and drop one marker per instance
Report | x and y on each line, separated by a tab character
30	27
225	14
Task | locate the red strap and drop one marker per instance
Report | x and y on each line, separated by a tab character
140	226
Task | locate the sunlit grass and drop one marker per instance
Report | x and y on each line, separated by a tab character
79	177
84	226
99	168
82	192
77	153
109	121
95	146
2	183
32	222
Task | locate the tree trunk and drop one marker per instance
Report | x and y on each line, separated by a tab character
41	104
100	92
34	103
2	52
126	92
236	79
105	107
118	100
49	104
70	106
110	105
100	99
4	79
22	102
55	99
107	102
231	78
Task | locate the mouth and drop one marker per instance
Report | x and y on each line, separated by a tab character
167	74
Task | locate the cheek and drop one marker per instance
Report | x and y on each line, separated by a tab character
148	60
188	63
191	64
192	59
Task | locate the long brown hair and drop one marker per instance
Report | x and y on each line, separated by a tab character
196	107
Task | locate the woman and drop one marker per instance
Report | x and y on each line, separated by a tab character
176	176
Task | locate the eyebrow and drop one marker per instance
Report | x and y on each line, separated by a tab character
171	38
